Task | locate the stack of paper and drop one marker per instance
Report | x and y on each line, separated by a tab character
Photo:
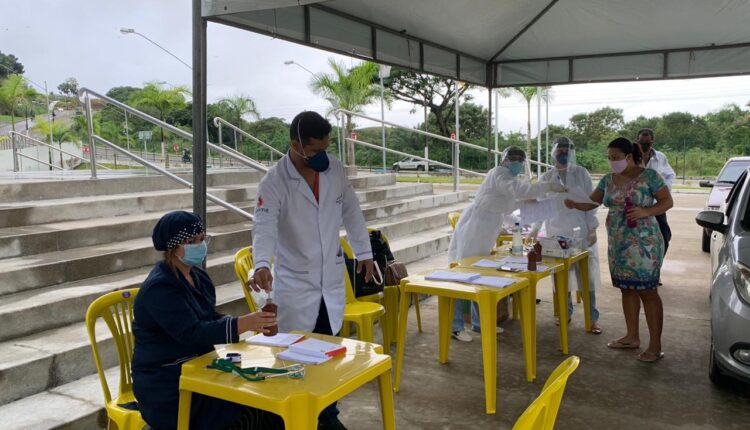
443	275
493	281
280	339
488	264
311	351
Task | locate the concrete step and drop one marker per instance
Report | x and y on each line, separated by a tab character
32	311
21	191
54	210
84	208
49	268
59	236
50	358
41	270
76	405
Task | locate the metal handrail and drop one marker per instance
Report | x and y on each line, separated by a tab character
174	177
179	132
38	161
39	142
432	135
218	121
404	154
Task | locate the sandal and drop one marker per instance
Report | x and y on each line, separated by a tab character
619	344
595	329
650	357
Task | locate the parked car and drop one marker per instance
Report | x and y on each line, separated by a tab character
730	284
411	163
719	190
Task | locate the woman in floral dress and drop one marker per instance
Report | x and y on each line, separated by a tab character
634	195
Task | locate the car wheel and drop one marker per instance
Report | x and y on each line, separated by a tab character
706	242
420	168
396	169
714	372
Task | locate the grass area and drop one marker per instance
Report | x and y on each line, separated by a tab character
85	166
436	179
6	118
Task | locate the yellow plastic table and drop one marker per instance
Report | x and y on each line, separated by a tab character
297	401
555	267
487	298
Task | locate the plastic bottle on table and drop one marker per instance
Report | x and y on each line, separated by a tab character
628	206
517	247
270	306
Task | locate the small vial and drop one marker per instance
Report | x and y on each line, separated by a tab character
538	251
270	306
531	257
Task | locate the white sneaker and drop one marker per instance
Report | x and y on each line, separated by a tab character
462	335
498	330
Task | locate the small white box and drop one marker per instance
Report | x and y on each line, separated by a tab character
551	247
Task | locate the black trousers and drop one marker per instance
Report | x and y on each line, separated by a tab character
323	326
666	232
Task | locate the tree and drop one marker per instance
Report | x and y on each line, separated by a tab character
69	87
15	94
422	90
527	94
161	102
350	90
238	106
596	127
9	65
60	132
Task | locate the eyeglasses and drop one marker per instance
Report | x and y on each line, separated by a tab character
194	240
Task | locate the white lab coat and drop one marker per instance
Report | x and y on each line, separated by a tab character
301	237
568	219
480	223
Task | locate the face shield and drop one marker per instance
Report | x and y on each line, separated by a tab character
563	153
514	159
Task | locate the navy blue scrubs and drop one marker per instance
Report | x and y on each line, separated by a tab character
174	322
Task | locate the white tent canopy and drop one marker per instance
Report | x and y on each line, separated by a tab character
496	43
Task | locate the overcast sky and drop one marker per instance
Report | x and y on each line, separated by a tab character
58	39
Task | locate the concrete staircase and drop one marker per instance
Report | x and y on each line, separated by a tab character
64	243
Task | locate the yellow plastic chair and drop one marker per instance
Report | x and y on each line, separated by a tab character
116	309
243	265
542	412
362	313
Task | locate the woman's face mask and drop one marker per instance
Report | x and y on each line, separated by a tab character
194	253
562	158
515	167
618	166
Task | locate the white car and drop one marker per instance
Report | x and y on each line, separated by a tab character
411	163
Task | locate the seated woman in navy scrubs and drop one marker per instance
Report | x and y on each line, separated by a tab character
175	319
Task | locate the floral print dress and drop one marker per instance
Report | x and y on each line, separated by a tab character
635	253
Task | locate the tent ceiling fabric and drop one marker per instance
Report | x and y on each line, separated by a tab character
515	42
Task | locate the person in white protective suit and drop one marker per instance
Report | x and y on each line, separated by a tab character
573	176
479	224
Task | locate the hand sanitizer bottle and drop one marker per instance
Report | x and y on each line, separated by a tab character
517	247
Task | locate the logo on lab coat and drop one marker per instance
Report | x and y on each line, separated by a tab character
260	201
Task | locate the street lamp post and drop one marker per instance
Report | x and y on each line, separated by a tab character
290	62
132	31
383	72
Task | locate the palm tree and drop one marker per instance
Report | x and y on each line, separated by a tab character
350	90
14	94
527	94
60	132
162	101
238	106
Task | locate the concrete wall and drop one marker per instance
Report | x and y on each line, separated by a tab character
41	153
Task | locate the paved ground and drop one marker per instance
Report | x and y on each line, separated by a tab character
610	390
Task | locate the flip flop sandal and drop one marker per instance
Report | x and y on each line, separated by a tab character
616	344
648	357
595	329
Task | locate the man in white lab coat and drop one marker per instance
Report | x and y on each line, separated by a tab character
572	176
302	203
500	194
